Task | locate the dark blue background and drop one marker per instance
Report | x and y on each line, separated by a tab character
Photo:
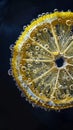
15	112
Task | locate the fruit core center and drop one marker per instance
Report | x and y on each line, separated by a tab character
59	62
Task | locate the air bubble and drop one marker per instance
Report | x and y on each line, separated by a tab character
38	40
11	47
37	47
32	20
28	45
26	99
44	30
46	45
39	15
55	10
34	71
69	10
10	72
29	79
43	13
61	86
29	65
59	20
68	22
23	68
51	103
22	94
24	27
20	78
71	87
33	105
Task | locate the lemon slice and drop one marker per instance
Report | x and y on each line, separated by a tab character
42	61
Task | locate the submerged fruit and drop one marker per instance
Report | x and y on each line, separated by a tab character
42	61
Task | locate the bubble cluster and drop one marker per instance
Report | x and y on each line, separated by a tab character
42	60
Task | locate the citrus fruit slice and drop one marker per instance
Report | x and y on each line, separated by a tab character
42	61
